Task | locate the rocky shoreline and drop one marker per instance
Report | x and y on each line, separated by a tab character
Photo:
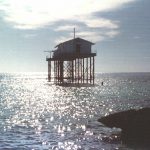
135	125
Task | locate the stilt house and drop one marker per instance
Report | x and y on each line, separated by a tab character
72	62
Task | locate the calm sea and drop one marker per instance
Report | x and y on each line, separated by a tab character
37	115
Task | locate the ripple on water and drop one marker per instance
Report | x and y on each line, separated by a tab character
38	115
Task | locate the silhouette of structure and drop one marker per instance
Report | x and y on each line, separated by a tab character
72	62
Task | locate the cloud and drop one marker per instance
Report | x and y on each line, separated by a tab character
66	28
112	33
62	39
33	14
91	28
101	23
93	36
37	13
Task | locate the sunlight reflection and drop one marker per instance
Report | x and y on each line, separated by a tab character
68	145
52	114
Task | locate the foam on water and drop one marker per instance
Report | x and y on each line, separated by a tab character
35	114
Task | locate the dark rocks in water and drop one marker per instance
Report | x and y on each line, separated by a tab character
135	125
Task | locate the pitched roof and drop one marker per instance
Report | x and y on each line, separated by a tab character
75	40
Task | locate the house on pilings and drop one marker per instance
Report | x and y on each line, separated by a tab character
72	62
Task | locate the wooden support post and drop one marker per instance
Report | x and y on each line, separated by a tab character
78	70
58	71
75	71
61	71
72	74
54	71
83	70
90	71
87	69
49	71
93	70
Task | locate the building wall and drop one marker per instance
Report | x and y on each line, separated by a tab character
71	47
68	47
85	47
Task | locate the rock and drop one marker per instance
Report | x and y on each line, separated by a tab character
135	124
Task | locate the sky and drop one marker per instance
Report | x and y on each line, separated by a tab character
120	30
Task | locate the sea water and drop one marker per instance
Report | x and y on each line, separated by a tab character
38	115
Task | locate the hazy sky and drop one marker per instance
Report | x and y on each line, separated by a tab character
120	29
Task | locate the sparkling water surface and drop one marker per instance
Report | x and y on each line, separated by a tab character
38	115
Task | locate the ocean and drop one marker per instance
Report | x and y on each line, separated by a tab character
38	115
